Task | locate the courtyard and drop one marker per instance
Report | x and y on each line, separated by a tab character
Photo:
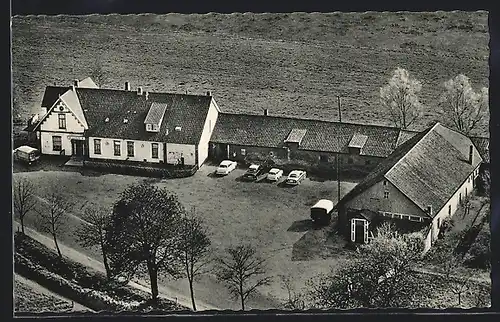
271	217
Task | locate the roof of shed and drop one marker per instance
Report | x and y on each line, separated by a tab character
271	131
428	168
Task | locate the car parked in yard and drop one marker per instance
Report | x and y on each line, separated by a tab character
225	167
295	177
274	174
253	172
26	154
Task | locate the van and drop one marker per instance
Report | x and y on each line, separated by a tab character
321	212
26	154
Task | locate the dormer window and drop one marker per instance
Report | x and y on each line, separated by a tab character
155	115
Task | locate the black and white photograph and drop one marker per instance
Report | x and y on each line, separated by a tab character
246	161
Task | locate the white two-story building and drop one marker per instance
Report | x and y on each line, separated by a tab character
126	125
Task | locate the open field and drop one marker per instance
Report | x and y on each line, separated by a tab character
293	63
274	219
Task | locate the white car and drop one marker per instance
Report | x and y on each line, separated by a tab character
295	177
225	167
274	174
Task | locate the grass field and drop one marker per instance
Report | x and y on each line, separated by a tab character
293	63
272	218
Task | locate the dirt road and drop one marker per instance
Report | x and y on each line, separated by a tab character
98	266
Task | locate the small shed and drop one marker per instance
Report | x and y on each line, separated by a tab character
321	212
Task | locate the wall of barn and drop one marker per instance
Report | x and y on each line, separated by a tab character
203	146
176	151
374	198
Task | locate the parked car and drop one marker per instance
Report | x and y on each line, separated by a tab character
225	167
253	172
321	212
26	154
295	177
274	174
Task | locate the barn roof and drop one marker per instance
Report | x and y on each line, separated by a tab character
186	111
428	168
325	136
483	146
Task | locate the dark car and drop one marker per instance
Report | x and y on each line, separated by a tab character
253	172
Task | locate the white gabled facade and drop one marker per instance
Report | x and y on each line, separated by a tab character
61	130
208	128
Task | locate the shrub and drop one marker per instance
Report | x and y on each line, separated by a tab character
141	169
479	254
483	183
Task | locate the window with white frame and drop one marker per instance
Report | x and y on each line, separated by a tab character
130	148
62	121
117	148
386	194
243	152
97	146
56	143
154	150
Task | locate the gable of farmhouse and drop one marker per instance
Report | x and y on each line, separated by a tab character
428	169
313	135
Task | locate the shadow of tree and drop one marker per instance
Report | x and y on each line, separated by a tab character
320	243
301	225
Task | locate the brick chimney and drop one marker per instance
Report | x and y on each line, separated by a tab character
127	86
139	90
266	112
471	154
76	83
429	210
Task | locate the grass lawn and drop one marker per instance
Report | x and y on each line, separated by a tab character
274	219
291	63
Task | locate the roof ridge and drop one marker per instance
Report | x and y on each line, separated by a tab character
429	130
317	120
150	92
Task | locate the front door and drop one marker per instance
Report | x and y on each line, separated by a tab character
359	230
78	147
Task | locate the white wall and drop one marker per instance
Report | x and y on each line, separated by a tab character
373	199
142	150
454	202
208	128
175	151
46	142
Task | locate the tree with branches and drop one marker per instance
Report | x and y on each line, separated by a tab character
243	272
146	227
195	250
455	276
381	275
24	199
98	72
461	107
92	232
400	98
295	300
52	215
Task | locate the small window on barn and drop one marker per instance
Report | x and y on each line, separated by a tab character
271	153
449	210
439	222
386	194
243	152
385	182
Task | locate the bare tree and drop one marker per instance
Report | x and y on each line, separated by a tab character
52	216
92	232
98	72
461	107
243	272
400	98
24	199
195	250
456	277
295	300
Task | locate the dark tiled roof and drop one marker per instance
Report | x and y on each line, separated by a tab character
271	131
51	95
405	135
187	111
428	168
483	146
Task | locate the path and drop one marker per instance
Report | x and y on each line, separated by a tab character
77	307
83	259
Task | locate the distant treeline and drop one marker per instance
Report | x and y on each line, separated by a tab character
54	7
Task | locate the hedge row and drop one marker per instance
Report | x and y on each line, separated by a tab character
76	273
140	170
95	300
